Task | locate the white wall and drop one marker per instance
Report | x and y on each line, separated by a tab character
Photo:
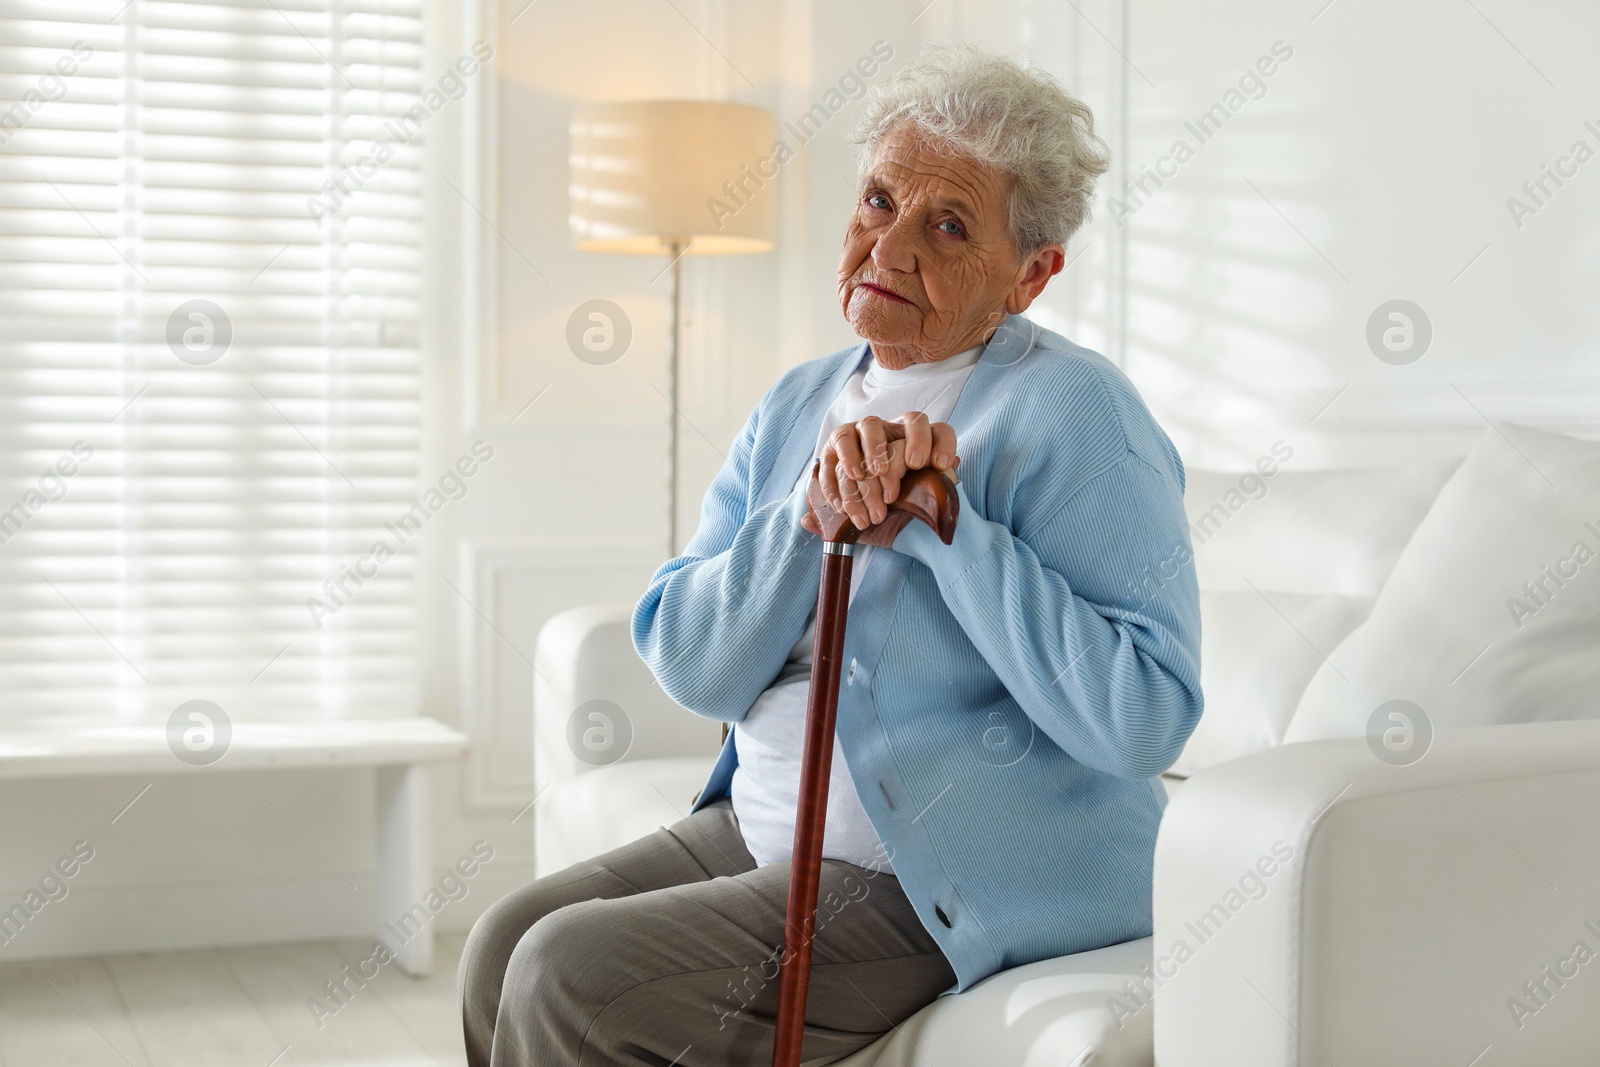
1383	152
1376	166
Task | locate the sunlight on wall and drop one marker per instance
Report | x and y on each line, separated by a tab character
1347	162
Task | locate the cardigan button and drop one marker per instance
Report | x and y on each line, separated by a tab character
851	677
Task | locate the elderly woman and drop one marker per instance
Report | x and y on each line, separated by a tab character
1009	700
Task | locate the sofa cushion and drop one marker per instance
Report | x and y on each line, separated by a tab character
1258	652
1492	613
1336	532
1073	1011
1289	563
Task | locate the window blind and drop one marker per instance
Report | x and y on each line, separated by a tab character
209	363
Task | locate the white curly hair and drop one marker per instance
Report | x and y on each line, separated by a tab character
1004	114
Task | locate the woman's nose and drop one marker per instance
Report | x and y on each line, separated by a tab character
893	250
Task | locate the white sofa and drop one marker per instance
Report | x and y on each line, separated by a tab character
1377	893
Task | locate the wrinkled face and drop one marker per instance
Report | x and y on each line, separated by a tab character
928	268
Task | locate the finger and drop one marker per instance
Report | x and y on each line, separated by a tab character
828	479
872	497
808	521
850	495
894	472
944	446
848	446
918	438
874	443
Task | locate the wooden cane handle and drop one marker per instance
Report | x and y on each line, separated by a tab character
925	494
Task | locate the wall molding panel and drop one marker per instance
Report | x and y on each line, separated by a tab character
497	652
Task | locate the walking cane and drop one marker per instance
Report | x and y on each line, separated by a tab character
926	495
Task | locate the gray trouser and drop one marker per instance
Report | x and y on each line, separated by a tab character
665	952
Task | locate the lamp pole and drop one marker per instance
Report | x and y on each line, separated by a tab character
675	248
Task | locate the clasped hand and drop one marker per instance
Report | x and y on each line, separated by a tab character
863	464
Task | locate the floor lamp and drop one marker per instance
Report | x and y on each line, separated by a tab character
679	178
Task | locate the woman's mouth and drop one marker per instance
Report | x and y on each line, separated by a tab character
880	291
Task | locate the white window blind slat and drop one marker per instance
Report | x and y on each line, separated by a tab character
207	501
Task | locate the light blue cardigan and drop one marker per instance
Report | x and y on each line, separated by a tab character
1009	700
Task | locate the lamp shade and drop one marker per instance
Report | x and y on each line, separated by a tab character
647	174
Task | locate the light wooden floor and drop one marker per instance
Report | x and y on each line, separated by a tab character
237	1007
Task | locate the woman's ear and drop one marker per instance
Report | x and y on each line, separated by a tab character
1036	271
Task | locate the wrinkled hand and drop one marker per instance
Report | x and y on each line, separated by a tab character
864	462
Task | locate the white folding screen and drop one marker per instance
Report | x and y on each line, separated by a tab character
210	224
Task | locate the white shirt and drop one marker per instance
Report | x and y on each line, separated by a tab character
766	783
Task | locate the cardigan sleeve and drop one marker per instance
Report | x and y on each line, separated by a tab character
717	623
1093	623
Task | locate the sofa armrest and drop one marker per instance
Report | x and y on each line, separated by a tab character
595	813
584	657
1314	904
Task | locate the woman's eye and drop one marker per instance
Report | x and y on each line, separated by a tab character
951	227
879	201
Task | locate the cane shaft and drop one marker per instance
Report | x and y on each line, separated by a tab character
822	704
925	495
